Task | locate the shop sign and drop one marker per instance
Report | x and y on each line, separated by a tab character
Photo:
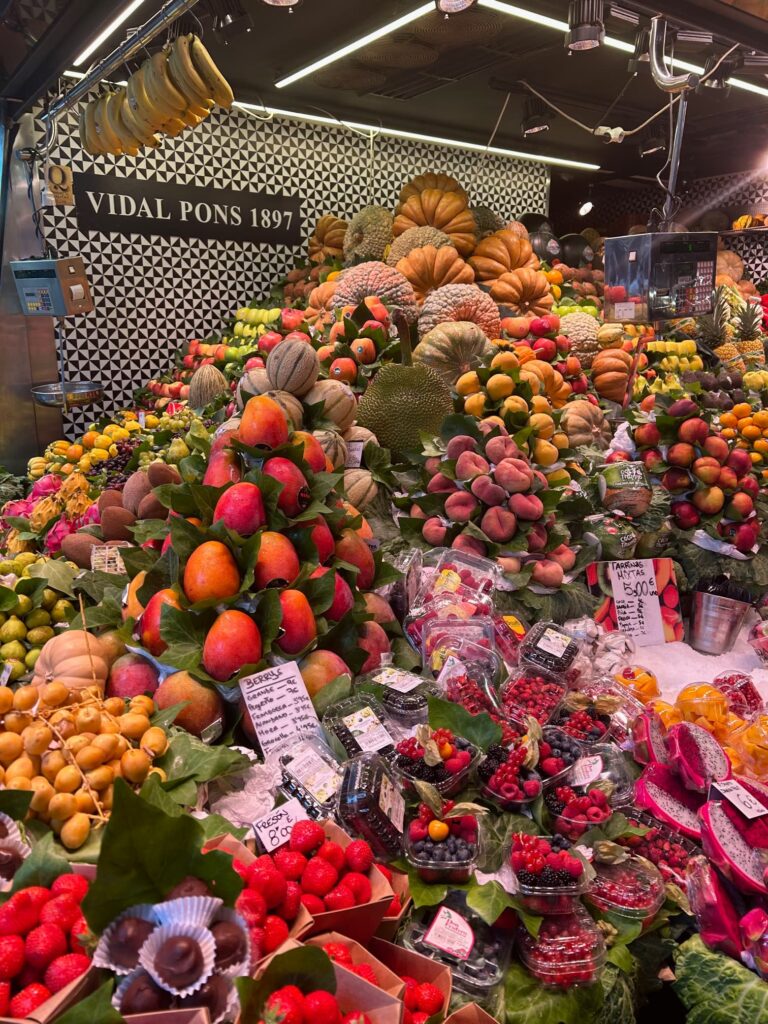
132	206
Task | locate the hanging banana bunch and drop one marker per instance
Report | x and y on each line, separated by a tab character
172	90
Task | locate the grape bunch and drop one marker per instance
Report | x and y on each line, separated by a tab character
115	472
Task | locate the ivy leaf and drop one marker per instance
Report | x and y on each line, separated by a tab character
309	968
57	574
168	716
108	613
478	729
176	497
527	1001
188	757
332	693
320	591
163	574
404	656
95	584
489	901
184	634
15	803
268	616
138	560
149	529
41	867
95	1007
8	599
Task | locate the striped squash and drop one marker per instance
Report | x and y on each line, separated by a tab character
339	402
293	366
360	487
254	382
290	405
334	446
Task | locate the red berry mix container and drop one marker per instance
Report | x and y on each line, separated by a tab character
442	848
632	890
743	696
471	686
506	781
569	950
550	879
668	850
533	691
558	753
435	756
575	811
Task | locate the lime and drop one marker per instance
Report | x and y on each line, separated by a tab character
13	629
39	635
23	605
13	650
62	611
50	597
18	668
31	657
39	617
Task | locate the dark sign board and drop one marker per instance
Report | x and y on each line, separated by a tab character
135	207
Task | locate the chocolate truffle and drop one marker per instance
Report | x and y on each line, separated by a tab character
10	862
179	961
189	886
129	936
212	994
230	944
143	996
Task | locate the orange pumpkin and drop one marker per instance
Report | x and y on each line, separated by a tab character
319	305
501	252
525	291
445	182
429	268
76	658
446	211
327	240
610	373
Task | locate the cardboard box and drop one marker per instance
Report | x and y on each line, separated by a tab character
406	963
199	1016
56	1005
390	926
471	1014
389	980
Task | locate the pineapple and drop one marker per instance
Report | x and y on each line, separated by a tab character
749	340
716	333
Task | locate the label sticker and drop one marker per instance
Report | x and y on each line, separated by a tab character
213	731
553	642
451	933
741	798
585	770
392	803
279	706
398	679
274	829
368	731
624	310
354	454
318	778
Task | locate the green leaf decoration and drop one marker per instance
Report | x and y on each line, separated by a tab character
498	830
184	633
320	591
57	574
138	560
41	867
309	968
529	1002
187	757
163	574
145	853
716	989
160	795
619	996
15	803
150	529
622	958
95	1007
8	599
168	716
489	901
332	693
108	613
478	729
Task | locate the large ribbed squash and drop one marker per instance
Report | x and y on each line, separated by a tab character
359	487
293	366
501	252
585	424
546	380
76	658
327	240
430	268
610	373
375	278
526	291
207	383
319	309
447	211
452	349
460	302
445	182
339	402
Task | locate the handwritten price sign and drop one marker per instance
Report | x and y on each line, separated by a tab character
274	828
740	797
279	706
636	597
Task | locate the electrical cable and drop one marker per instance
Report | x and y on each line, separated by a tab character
492	136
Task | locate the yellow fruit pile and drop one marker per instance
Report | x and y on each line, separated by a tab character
28	625
675	356
64	457
749	430
67	747
706	706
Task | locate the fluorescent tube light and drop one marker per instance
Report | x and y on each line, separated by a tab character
111	27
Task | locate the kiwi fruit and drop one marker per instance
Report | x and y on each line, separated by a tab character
159	473
77	548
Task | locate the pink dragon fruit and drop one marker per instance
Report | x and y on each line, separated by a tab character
716	917
649	738
659	791
724	840
45	486
696	756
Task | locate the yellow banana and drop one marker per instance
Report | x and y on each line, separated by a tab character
213	78
184	73
136	127
96	142
201	112
173	127
109	140
140	103
160	88
190	119
85	140
128	141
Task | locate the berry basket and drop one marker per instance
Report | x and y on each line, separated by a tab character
549	878
743	696
548	647
448	851
360	725
404	695
531	691
506	782
631	890
575	810
558	753
663	846
448	777
569	950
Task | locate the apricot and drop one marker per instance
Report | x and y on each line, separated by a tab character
343	599
263	424
241	508
232	641
353	549
499	524
211	572
297	627
277	563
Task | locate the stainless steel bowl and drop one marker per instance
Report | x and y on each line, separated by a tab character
76	392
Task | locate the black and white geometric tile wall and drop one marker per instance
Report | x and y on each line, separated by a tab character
151	293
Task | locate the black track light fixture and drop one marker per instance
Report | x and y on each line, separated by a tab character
230	20
585	25
536	118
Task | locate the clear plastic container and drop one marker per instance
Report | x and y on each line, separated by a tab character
457	609
550	647
472	688
667	849
312	774
508	794
405	695
509	632
437	865
401	593
446	783
532	691
358	725
587	725
453	935
569	950
467	640
537	894
604	763
371	805
558	747
750	742
743	696
632	890
457	570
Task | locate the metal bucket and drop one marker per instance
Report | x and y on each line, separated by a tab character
715	622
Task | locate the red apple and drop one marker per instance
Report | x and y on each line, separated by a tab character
619	456
739	461
652	460
545	349
290	319
685	515
268	340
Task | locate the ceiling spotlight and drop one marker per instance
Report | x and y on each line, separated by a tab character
290	4
640	55
718	79
585	24
230	21
447	7
535	117
586	207
652	144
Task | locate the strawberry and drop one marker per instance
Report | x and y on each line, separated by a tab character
395	908
419	1017
409	996
37	894
387	872
289	908
256	934
5	997
28	1000
359	856
286	1005
366	972
12	956
429	998
333	853
44	944
407	1016
338	952
319	876
19	915
252	907
240	868
65	969
321	1008
360	886
264	860
77	885
269	882
275	933
61	910
314	904
306	836
77	934
290	864
356	1017
339	898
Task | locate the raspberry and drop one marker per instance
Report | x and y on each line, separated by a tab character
321	1008
5	997
333	853
269	882
44	944
286	1004
61	910
275	933
366	972
360	886
76	885
65	969
12	956
429	998
289	908
314	904
252	907
319	877
306	836
339	898
28	1000
359	856
78	932
453	765
338	952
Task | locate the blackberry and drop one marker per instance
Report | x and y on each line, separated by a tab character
553	805
486	770
562	878
527	878
548	877
497	753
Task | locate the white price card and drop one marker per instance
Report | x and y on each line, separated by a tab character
274	828
354	454
740	797
585	771
279	706
451	933
636	597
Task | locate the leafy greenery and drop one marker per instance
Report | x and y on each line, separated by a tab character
15	803
716	989
529	1002
478	729
95	1007
41	867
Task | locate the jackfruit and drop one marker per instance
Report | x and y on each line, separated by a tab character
368	235
401	403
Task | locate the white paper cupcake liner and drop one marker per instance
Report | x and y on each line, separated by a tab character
101	957
12	827
242	968
166	931
189	910
117	995
231	1011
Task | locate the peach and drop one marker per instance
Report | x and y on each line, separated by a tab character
677	480
685	515
223	468
433	531
295	495
264	424
717	447
693	431
744	539
469	544
241	508
709	500
320	668
298	627
232	641
682	407
211	572
681	454
380	609
460	506
343	598
513	475
652	459
739	461
131	675
417	513
563	556
739	507
499	524
460	444
618	456
547	573
277	563
706	469
469	465
312	451
353	549
441	484
499	448
536	537
203	705
485	490
149	623
647	435
750	485
375	642
509	564
527	507
432	465
727	479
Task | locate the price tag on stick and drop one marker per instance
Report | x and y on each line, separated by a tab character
274	829
636	597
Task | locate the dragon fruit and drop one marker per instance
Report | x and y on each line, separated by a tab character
723	837
649	738
716	916
660	791
696	756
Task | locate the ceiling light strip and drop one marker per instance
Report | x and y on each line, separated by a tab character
111	27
